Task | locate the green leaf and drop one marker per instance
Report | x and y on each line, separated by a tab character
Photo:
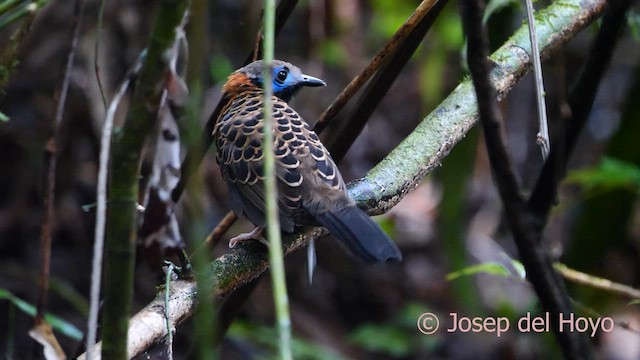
3	117
610	174
491	268
56	322
520	270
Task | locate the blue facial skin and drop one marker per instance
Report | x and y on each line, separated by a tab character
286	82
283	80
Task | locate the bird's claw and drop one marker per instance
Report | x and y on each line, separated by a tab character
256	234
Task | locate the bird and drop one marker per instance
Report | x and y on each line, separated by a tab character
311	190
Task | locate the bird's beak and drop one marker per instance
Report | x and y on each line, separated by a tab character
308	80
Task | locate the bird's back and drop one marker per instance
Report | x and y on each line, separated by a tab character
304	168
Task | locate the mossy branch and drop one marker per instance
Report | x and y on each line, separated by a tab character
401	171
125	170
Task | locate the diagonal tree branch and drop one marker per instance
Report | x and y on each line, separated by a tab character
387	183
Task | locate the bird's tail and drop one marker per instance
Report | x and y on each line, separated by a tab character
359	233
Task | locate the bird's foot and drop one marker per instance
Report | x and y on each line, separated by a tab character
256	234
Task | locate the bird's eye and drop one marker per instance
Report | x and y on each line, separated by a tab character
281	76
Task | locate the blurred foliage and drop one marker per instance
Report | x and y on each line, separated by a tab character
516	271
220	68
454	177
633	21
604	227
388	225
444	42
383	338
609	175
56	322
398	337
12	11
389	15
333	54
264	336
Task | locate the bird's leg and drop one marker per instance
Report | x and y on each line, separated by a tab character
256	234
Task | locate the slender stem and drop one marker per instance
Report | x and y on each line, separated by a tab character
579	277
276	259
7	5
96	53
167	308
23	10
124	180
51	153
223	226
101	207
543	133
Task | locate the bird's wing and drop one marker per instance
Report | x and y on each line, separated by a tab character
298	152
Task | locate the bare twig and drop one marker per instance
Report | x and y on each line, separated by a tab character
223	226
51	152
169	276
547	283
96	53
581	100
543	133
597	282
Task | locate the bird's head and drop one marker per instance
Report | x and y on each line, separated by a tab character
286	79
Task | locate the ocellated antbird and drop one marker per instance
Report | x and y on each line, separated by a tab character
310	188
